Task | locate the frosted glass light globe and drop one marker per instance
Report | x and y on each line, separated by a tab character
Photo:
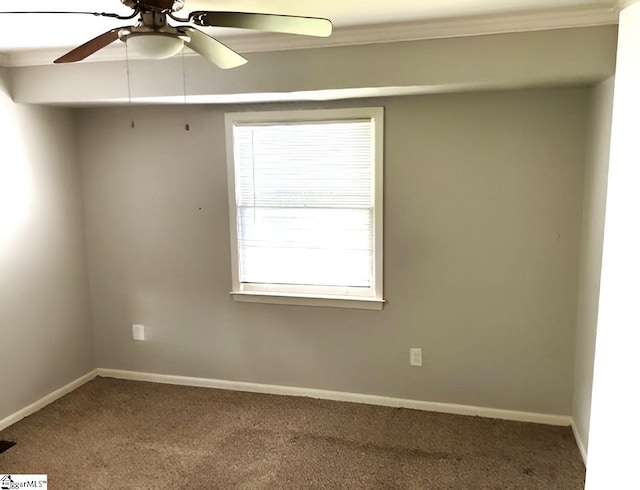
155	45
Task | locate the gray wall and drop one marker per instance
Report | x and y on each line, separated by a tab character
595	192
613	431
45	317
483	203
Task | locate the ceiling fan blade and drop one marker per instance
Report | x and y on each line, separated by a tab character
307	26
66	12
157	4
212	49
90	47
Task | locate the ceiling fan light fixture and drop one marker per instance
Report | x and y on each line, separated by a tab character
155	37
156	45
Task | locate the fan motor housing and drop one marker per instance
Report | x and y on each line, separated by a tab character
153	19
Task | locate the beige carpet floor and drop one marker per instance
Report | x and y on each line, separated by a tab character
126	434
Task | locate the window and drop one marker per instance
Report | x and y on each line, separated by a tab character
305	200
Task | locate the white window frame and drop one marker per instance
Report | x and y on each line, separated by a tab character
312	295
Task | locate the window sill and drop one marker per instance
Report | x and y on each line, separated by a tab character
308	300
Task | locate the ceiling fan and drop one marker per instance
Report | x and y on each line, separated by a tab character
154	35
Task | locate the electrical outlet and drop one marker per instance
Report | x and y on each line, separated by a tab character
138	332
415	356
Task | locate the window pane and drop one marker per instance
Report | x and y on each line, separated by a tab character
312	164
306	246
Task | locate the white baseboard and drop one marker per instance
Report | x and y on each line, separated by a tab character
579	442
451	408
46	400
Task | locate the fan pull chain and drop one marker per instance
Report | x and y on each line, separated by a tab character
184	87
126	47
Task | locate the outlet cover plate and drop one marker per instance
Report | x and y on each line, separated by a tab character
138	332
415	356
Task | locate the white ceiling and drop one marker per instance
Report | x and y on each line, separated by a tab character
33	32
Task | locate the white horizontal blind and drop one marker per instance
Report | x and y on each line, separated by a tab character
304	201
